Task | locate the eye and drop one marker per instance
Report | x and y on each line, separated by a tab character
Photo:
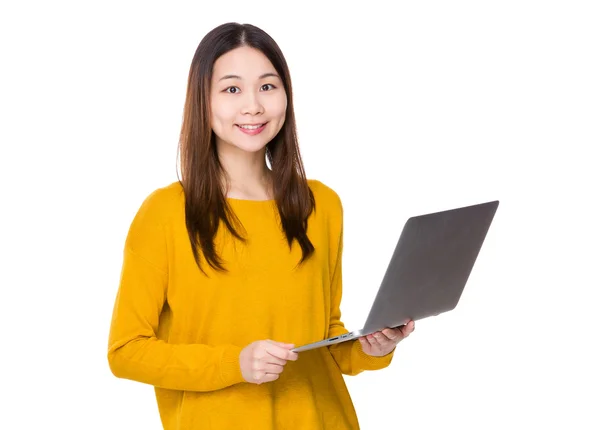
267	87
228	90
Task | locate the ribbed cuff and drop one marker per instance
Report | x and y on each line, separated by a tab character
231	372
368	362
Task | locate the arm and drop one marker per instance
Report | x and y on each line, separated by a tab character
134	352
349	355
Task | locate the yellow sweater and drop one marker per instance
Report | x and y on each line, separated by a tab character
182	332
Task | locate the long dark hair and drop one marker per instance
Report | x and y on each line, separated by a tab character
206	205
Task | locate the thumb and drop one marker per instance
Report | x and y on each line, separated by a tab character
286	345
282	344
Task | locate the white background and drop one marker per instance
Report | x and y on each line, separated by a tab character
402	109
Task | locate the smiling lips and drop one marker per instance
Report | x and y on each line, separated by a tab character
251	129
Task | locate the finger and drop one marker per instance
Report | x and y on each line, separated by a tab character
382	339
269	377
393	334
408	328
289	355
366	345
373	341
258	375
282	353
282	344
272	368
270	359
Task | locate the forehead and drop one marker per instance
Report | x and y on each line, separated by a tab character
246	62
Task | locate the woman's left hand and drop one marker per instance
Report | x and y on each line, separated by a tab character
383	342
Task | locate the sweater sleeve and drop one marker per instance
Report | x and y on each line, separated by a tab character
134	351
348	355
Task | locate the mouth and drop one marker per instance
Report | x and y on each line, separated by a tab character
251	129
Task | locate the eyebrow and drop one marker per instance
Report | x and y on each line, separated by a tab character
265	75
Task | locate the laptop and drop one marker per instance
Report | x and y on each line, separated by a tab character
428	270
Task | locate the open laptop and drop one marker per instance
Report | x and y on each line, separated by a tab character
428	271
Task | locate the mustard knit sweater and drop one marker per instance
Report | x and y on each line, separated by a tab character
182	332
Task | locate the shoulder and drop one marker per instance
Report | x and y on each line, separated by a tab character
324	192
157	209
326	198
160	204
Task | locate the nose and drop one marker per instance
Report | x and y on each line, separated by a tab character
252	104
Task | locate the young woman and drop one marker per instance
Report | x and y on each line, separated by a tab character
229	268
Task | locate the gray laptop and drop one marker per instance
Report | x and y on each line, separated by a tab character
428	271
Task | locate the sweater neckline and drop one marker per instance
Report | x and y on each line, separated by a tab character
248	201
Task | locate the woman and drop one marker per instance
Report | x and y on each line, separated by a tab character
229	268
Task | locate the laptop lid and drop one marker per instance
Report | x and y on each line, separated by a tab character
430	265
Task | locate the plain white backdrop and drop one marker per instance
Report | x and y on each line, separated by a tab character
403	108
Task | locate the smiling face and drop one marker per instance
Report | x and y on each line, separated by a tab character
247	99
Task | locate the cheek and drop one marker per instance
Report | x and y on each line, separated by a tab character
220	116
278	107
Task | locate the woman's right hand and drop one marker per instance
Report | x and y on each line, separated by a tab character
263	361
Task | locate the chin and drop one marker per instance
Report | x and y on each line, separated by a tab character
251	147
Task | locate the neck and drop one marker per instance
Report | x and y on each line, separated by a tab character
247	175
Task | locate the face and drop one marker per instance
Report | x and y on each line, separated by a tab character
248	101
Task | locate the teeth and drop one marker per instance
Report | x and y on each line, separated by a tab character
251	127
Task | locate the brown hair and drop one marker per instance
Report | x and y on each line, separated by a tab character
206	205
